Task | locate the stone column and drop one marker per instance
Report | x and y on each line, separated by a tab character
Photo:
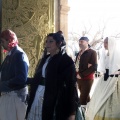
61	16
64	8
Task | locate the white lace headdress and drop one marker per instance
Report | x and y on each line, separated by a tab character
114	54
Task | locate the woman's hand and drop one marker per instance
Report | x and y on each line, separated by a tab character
72	117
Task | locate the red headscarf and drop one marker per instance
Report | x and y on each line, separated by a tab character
11	37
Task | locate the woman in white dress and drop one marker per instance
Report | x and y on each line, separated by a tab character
105	102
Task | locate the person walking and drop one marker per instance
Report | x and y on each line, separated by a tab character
13	77
53	90
105	101
86	65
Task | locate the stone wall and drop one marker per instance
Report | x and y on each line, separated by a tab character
31	20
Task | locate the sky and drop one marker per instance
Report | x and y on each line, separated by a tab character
94	14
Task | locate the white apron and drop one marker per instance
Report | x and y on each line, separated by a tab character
36	108
11	107
105	102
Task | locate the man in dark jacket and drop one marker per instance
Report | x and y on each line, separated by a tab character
86	65
13	77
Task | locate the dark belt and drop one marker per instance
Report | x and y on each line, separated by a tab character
106	75
42	81
116	75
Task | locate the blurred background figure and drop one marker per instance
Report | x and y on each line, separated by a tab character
103	66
